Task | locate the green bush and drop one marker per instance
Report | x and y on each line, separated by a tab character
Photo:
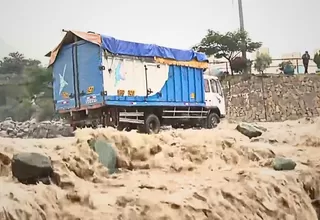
262	62
21	79
19	112
47	109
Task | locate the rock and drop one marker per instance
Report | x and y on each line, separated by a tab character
228	142
123	163
5	167
260	127
3	134
4	159
261	139
107	154
249	130
8	124
258	139
280	163
31	168
273	141
155	149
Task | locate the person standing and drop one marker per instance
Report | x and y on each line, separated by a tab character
305	60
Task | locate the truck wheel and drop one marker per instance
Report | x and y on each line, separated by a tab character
152	124
213	120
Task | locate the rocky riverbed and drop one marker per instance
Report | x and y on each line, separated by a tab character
236	171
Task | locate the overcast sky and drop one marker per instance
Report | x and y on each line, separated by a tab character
34	27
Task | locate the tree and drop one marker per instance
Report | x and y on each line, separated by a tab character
228	45
39	81
238	64
316	59
262	62
12	64
15	63
31	85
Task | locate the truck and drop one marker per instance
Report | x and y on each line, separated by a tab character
99	80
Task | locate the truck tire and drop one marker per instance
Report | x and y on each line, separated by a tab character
151	125
213	120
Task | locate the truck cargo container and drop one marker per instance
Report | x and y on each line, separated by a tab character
98	79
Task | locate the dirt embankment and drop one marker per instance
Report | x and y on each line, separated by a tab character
179	174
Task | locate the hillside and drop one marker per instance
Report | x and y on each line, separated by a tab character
21	79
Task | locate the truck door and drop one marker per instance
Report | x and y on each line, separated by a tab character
63	80
208	93
218	96
89	74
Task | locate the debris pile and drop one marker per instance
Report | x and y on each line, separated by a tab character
33	129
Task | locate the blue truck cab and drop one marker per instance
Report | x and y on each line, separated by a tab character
100	80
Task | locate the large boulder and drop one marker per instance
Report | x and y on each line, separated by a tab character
106	152
249	130
281	163
31	168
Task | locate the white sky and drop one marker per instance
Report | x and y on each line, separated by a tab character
34	27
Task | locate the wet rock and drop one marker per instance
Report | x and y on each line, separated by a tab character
107	154
32	129
155	149
31	168
281	163
123	163
260	127
4	159
258	139
4	165
228	142
264	140
273	141
249	130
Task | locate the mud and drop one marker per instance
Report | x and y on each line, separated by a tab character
178	174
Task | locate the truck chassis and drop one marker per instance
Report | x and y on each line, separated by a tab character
144	119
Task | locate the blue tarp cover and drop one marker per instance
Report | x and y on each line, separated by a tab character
122	47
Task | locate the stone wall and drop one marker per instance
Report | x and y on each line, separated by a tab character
272	98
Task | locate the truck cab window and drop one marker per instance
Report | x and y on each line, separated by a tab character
220	91
206	85
213	86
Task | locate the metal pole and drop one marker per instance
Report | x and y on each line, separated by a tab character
241	15
244	53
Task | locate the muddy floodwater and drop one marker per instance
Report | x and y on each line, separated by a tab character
215	174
